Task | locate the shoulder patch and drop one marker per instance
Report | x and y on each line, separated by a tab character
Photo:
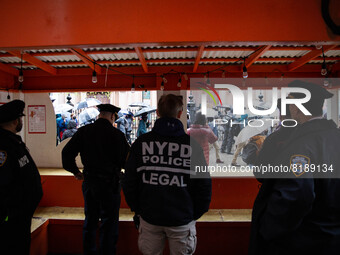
298	164
3	157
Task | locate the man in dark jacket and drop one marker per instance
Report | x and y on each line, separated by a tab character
298	211
20	184
71	129
160	183
103	150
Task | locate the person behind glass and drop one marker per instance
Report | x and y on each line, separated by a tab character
227	142
160	184
202	133
74	118
213	127
188	121
129	120
103	150
143	125
20	184
61	125
241	145
121	123
297	212
70	131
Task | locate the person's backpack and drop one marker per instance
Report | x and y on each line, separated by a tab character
252	149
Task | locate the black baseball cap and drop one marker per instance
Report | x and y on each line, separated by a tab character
318	95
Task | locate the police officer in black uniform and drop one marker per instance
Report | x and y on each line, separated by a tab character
298	212
20	184
103	150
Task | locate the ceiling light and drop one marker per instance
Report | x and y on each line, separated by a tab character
94	77
223	74
323	68
245	71
179	83
21	76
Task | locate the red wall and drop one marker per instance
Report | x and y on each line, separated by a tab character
227	193
65	236
39	240
58	23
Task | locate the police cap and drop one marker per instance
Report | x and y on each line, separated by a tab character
318	96
11	111
108	108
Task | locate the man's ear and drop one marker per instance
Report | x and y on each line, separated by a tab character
157	113
179	114
16	121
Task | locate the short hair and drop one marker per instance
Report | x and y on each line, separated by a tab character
210	119
200	119
170	105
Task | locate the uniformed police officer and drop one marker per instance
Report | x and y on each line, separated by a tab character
20	184
103	150
299	212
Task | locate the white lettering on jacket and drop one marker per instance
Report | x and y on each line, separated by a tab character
152	148
164	180
23	161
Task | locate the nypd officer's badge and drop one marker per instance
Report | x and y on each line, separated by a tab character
298	164
3	157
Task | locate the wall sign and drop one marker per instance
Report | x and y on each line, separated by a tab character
36	119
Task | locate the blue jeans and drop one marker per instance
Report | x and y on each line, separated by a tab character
102	201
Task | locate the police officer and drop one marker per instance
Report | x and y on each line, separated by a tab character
20	184
103	150
159	184
229	132
297	212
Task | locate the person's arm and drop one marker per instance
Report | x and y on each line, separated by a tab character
211	136
290	201
125	148
69	154
7	180
130	182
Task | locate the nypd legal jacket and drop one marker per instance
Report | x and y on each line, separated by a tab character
159	183
20	184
